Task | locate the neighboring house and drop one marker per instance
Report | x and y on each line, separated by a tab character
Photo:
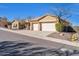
44	23
17	24
3	22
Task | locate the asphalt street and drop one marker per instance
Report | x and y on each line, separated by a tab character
12	44
8	36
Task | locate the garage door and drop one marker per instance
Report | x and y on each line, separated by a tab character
48	27
35	27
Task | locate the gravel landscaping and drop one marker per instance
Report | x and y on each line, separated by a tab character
65	36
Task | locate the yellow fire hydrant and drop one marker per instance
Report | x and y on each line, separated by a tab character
74	37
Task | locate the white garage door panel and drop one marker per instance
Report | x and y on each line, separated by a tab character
48	27
35	27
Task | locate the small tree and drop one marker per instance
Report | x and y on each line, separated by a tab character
29	18
61	13
59	27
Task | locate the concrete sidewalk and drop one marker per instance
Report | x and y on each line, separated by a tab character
24	32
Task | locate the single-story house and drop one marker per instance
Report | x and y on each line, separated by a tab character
18	24
44	23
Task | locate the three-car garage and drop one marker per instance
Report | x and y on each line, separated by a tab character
44	23
44	27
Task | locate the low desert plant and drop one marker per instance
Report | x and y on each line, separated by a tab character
73	37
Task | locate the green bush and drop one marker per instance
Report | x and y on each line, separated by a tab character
59	27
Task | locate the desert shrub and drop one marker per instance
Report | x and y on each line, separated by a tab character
59	27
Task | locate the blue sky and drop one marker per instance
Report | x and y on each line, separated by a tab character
23	10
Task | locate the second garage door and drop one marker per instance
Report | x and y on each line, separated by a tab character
48	27
35	27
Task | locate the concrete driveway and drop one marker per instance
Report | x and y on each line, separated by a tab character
35	33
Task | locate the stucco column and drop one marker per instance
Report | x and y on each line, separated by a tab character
31	26
28	26
39	26
18	25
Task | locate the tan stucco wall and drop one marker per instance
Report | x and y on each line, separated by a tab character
48	19
15	23
31	26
